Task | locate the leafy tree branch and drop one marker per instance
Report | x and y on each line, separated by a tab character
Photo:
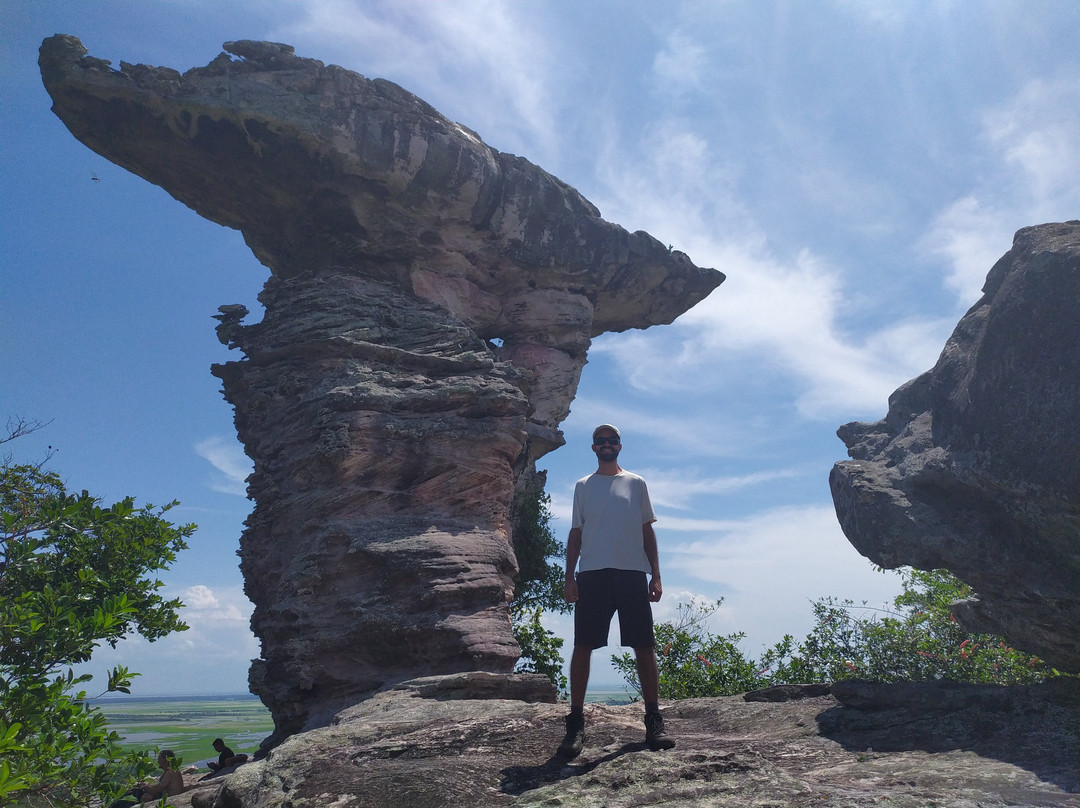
74	574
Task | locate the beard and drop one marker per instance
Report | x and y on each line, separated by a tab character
607	453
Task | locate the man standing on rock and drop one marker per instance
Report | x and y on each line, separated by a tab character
613	545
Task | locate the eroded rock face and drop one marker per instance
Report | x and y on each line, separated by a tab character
427	319
976	467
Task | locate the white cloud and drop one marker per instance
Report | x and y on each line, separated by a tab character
1036	132
454	52
779	315
212	656
772	565
208	610
675	489
782	319
1033	141
200	597
971	237
227	456
682	65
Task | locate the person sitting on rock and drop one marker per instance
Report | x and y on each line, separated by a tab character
169	784
226	756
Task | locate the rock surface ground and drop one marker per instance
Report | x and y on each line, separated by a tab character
903	746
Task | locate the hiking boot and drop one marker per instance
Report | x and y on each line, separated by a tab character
655	735
575	736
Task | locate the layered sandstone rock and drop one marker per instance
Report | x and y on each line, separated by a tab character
427	318
976	467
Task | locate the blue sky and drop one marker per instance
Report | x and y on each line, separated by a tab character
854	167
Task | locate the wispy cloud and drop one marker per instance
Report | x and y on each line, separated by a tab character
787	556
1033	140
228	458
454	52
682	64
781	319
212	656
676	489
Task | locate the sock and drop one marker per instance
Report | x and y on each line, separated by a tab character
577	712
652	706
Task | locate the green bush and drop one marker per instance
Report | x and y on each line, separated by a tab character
693	662
917	639
73	574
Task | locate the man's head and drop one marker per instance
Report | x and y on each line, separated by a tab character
219	744
165	758
606	442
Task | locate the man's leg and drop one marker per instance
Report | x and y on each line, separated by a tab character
580	663
574	739
648	675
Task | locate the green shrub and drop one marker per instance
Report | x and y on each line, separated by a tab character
73	574
917	639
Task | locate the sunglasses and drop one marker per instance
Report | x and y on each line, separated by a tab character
607	441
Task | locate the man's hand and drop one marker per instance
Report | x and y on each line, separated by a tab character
570	590
656	591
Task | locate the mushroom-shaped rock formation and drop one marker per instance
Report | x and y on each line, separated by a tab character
976	467
427	318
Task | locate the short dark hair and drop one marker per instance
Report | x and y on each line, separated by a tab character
217	741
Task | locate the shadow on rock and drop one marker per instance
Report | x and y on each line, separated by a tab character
1034	727
517	780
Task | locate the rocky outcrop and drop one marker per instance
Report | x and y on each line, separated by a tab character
976	467
900	745
427	319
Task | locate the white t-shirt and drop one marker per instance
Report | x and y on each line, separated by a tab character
610	510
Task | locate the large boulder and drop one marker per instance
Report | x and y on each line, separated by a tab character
976	467
427	319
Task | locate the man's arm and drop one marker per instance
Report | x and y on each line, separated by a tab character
573	550
648	537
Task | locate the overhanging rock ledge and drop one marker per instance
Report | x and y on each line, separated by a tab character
976	467
427	319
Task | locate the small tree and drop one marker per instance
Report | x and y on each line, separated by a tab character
917	639
694	663
73	574
538	585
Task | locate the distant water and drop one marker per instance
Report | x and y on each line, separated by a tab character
610	695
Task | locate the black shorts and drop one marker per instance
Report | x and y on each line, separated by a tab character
601	593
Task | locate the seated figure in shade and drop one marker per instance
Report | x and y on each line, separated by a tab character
226	757
169	784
